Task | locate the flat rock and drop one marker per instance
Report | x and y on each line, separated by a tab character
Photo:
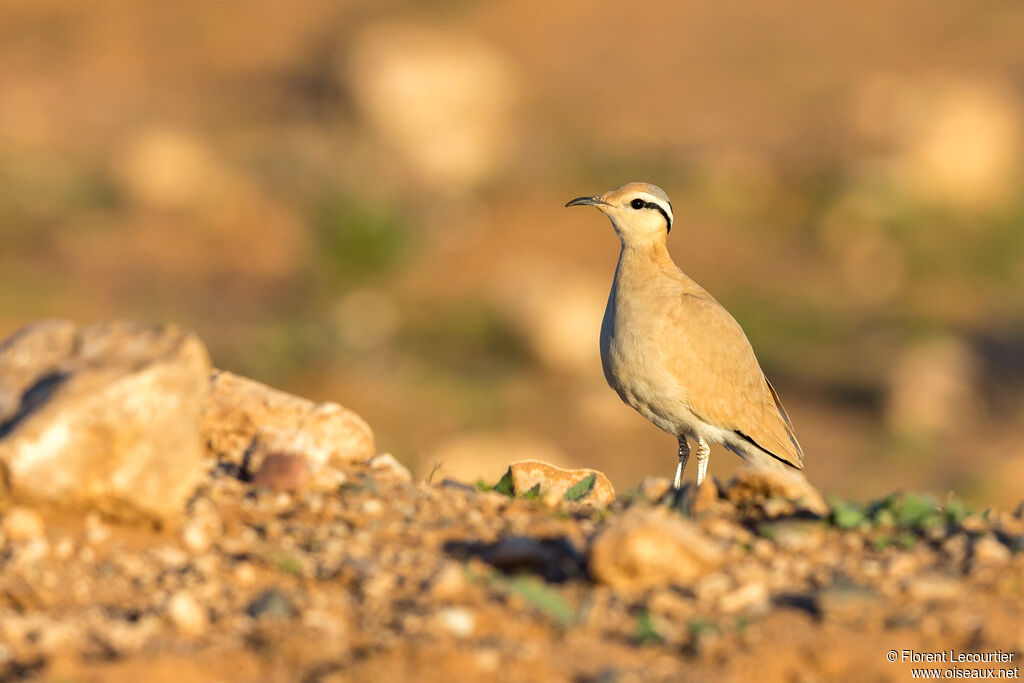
104	416
553	483
652	547
244	421
777	490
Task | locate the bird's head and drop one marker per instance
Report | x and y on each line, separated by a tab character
640	212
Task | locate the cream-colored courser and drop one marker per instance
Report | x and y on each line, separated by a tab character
674	354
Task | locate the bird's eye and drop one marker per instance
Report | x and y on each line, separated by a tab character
637	204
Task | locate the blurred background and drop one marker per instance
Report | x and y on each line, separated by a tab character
362	202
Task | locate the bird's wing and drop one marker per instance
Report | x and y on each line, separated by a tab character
709	354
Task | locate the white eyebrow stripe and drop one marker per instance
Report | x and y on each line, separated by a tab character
667	207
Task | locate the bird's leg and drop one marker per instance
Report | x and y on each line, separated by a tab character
703	456
684	455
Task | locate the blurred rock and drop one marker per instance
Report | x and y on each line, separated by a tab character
441	98
385	462
271	603
244	421
22	524
472	457
650	547
552	483
954	142
550	305
655	488
933	389
706	496
759	487
112	424
987	550
458	621
187	616
933	587
749	597
169	168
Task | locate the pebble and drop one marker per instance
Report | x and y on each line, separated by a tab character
748	597
448	583
458	621
23	524
933	587
271	603
989	551
372	506
195	538
186	614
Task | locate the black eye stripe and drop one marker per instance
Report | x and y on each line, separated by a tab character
657	207
638	204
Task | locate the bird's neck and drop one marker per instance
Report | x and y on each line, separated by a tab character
645	254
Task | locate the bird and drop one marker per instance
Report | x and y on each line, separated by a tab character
675	355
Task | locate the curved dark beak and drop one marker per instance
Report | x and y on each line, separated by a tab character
587	201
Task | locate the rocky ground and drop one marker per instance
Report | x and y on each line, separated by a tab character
301	554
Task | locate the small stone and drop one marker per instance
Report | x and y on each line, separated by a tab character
448	583
933	587
372	507
23	524
845	600
988	550
747	598
186	614
708	589
758	486
554	483
195	538
385	462
282	472
650	547
244	574
706	496
271	603
458	621
96	531
654	489
794	535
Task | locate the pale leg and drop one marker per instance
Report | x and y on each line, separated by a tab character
703	456
684	455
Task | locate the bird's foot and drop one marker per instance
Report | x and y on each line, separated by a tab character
684	455
703	457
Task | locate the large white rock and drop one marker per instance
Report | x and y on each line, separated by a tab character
105	416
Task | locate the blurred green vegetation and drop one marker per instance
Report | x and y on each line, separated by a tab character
359	238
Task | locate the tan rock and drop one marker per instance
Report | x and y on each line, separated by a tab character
706	496
106	415
187	616
651	547
751	596
553	483
655	488
22	524
757	486
244	421
385	462
439	97
989	551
